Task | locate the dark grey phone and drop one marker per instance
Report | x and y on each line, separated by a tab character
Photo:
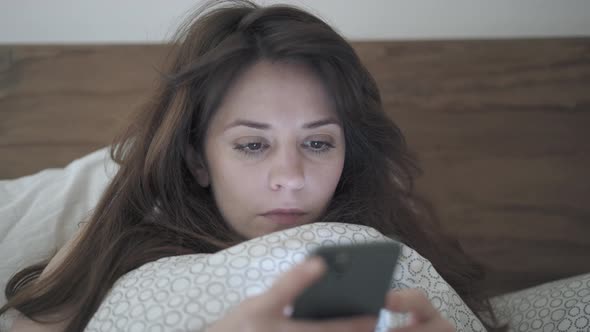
355	283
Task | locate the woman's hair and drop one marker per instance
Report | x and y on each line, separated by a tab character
154	206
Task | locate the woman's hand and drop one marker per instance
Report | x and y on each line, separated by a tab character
266	312
424	317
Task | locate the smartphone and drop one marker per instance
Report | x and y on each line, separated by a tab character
355	283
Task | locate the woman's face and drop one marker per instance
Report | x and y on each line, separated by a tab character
274	150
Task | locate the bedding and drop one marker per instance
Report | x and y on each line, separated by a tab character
562	305
188	293
38	213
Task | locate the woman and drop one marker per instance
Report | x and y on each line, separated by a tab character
265	120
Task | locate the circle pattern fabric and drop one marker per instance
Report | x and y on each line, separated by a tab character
558	306
190	292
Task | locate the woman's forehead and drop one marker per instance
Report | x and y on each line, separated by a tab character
276	92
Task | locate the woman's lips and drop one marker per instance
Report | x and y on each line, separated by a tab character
284	218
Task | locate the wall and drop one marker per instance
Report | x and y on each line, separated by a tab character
152	21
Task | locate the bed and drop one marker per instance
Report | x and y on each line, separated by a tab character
500	127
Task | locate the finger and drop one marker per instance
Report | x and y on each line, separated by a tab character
413	301
352	324
286	288
435	325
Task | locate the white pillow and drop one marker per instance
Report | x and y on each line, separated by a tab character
40	212
562	305
189	292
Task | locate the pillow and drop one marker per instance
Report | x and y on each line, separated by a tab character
40	212
189	292
562	305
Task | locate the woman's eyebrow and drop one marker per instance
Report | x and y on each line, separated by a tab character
319	123
264	126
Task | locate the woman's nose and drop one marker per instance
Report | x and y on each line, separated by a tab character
287	171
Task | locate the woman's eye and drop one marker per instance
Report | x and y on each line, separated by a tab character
251	148
254	146
257	148
318	146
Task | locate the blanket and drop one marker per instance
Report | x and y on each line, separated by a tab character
190	292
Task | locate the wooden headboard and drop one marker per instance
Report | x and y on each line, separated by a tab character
501	127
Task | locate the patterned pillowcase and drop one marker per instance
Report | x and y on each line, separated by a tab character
188	293
562	305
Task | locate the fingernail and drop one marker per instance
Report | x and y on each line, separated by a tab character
393	298
288	311
315	264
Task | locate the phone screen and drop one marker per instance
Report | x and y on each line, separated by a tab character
355	283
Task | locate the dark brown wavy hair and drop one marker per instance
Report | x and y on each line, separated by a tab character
154	206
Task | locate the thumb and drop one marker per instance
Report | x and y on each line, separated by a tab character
286	288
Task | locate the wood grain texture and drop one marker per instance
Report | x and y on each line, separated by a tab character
59	103
502	131
501	128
